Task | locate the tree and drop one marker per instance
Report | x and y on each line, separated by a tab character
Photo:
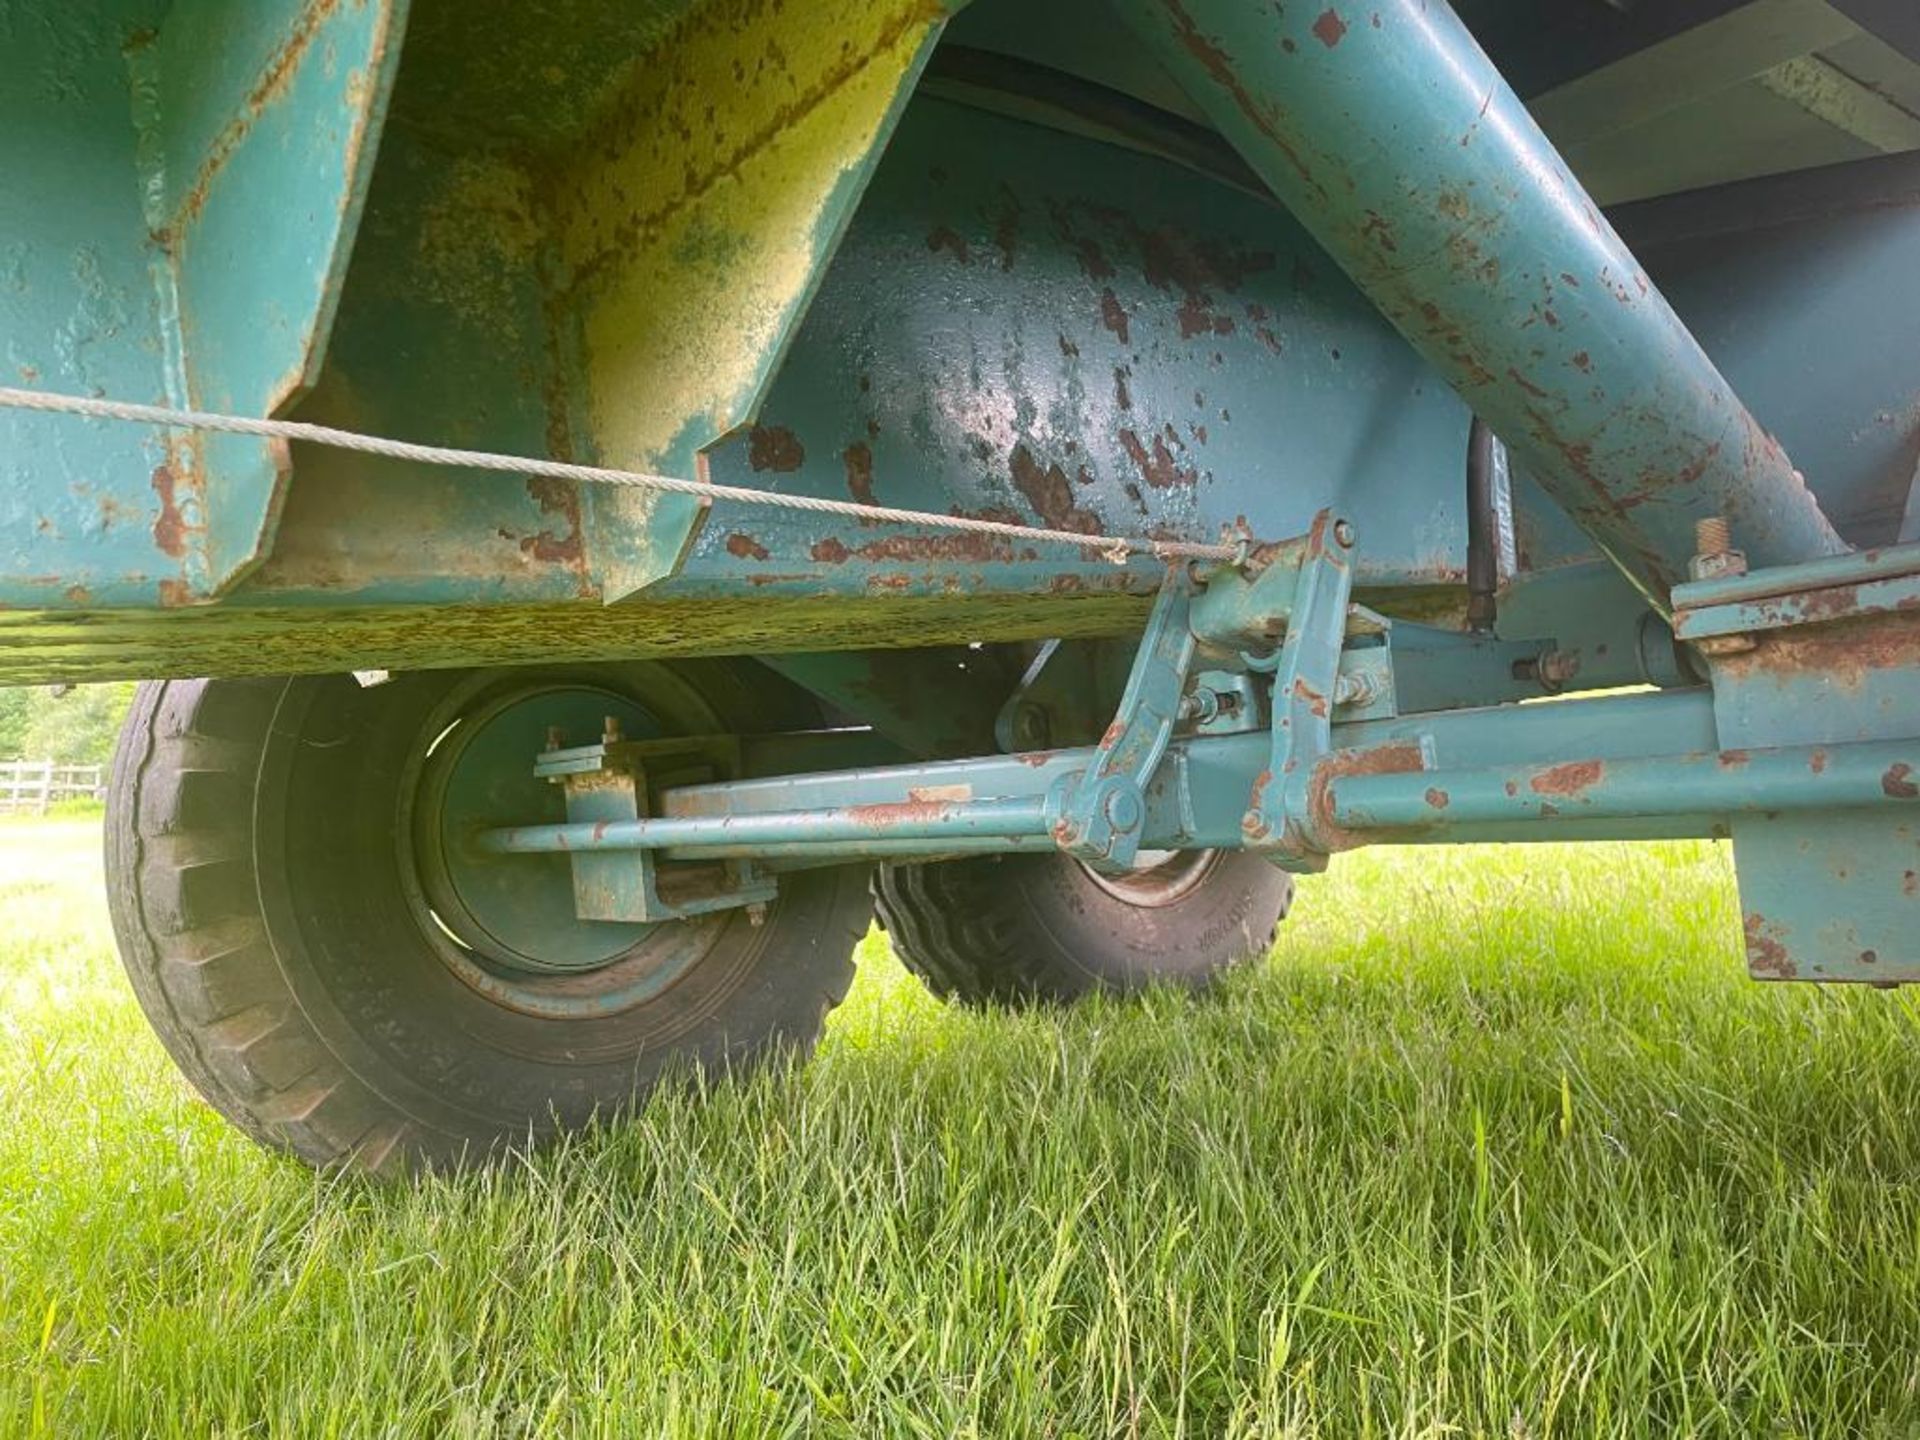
16	714
78	727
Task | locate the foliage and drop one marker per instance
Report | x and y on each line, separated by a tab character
1501	1143
77	726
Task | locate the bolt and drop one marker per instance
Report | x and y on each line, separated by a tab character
757	914
1557	667
1715	557
1356	689
1122	808
610	731
1550	669
1726	644
555	739
1203	705
1252	826
1343	534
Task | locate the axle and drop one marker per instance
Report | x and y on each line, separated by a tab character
1201	803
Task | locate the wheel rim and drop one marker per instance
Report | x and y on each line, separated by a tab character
1159	878
506	925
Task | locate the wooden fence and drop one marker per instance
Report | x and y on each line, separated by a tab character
30	787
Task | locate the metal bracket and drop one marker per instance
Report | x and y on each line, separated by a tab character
1306	687
1096	815
1298	589
1820	657
609	783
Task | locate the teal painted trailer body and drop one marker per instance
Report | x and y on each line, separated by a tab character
1176	269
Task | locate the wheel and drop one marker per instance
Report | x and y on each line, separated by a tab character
1015	928
345	979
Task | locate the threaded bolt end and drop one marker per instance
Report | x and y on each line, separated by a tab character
1712	536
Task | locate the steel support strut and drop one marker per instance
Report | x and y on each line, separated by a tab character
1390	134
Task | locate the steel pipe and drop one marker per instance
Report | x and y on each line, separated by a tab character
1714	783
1391	136
921	820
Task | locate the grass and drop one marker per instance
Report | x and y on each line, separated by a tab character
1499	1143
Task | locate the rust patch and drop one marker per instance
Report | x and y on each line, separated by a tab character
1122	393
858	459
1259	792
944	237
1437	798
1113	315
947	545
775	448
1896	786
1527	385
1732	759
1157	465
1846	655
552	549
175	593
1399	758
1570	780
555	497
1817	762
170	528
745	547
274	79
1093	260
1767	956
1221	70
1197	319
1910	884
905	812
1050	494
1330	29
1037	758
1379	230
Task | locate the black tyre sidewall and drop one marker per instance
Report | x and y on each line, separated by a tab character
458	1070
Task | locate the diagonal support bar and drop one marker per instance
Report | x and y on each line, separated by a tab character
1390	134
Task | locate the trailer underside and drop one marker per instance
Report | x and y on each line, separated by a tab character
1504	357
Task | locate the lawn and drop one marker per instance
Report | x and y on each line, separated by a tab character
1500	1142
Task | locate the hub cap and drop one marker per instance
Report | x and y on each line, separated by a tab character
506	923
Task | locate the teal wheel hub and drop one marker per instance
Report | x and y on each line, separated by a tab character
507	924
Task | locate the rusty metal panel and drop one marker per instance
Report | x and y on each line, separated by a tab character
182	183
1823	655
698	221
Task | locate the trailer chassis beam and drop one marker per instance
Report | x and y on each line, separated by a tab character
1309	759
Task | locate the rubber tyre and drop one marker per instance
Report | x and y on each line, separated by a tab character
262	910
1021	928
